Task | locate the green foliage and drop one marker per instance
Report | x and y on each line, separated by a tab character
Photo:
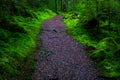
75	28
18	37
99	31
95	23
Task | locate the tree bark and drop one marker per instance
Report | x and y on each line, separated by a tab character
64	6
61	5
97	11
56	5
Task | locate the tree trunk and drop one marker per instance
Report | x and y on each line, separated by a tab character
56	5
64	6
97	11
61	5
109	15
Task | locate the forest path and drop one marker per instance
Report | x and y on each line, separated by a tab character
61	57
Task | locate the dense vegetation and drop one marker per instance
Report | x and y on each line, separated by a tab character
20	24
95	23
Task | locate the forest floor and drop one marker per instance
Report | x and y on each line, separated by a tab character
61	57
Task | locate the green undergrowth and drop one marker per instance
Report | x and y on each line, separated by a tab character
18	41
103	47
78	32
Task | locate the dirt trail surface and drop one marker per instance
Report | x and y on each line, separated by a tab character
61	57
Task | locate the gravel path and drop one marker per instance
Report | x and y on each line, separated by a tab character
61	57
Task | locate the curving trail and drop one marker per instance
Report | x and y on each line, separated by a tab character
61	57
